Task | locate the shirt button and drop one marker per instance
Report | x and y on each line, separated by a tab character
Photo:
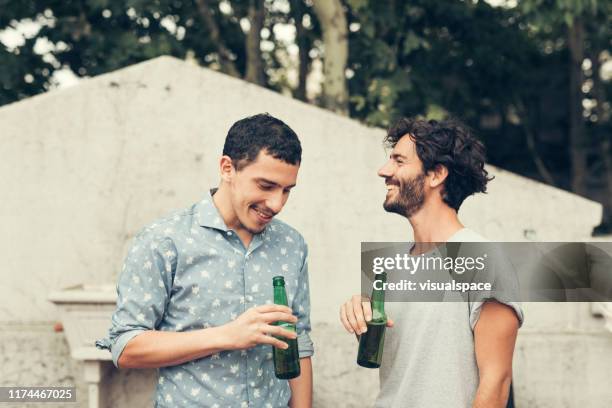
249	298
229	233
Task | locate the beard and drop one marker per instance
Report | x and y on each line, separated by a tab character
409	198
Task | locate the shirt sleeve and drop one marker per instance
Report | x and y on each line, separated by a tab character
143	291
301	305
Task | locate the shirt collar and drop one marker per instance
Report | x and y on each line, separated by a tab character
208	215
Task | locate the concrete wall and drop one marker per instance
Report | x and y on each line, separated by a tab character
563	358
83	169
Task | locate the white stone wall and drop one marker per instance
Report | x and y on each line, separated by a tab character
84	168
563	358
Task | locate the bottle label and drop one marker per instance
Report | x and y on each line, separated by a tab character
286	326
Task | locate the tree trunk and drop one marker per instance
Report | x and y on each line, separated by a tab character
255	68
301	39
530	138
577	139
604	144
331	15
606	220
225	59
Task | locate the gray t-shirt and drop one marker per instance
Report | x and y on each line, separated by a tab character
429	359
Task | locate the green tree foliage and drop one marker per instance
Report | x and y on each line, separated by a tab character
582	31
91	37
410	56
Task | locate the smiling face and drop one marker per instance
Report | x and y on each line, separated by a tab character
259	190
405	179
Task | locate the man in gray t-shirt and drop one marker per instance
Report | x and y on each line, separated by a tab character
444	354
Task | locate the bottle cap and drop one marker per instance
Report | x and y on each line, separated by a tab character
381	276
278	281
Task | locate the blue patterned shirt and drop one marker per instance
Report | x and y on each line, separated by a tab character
188	272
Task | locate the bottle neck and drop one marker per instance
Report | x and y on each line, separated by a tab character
378	299
280	296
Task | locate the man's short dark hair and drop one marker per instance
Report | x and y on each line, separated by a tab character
451	144
247	137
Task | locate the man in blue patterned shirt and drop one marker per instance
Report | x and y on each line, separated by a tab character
195	296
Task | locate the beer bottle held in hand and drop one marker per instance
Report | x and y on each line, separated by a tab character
372	341
286	362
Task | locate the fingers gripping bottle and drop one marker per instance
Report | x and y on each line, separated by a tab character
372	341
286	362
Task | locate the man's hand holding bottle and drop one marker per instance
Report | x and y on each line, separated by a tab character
355	313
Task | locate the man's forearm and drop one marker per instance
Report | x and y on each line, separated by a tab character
301	387
153	349
492	392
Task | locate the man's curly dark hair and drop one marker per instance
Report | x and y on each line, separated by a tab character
451	144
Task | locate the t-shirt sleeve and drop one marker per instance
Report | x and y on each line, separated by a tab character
501	274
476	308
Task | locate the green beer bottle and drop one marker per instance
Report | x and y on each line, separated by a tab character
372	341
286	362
